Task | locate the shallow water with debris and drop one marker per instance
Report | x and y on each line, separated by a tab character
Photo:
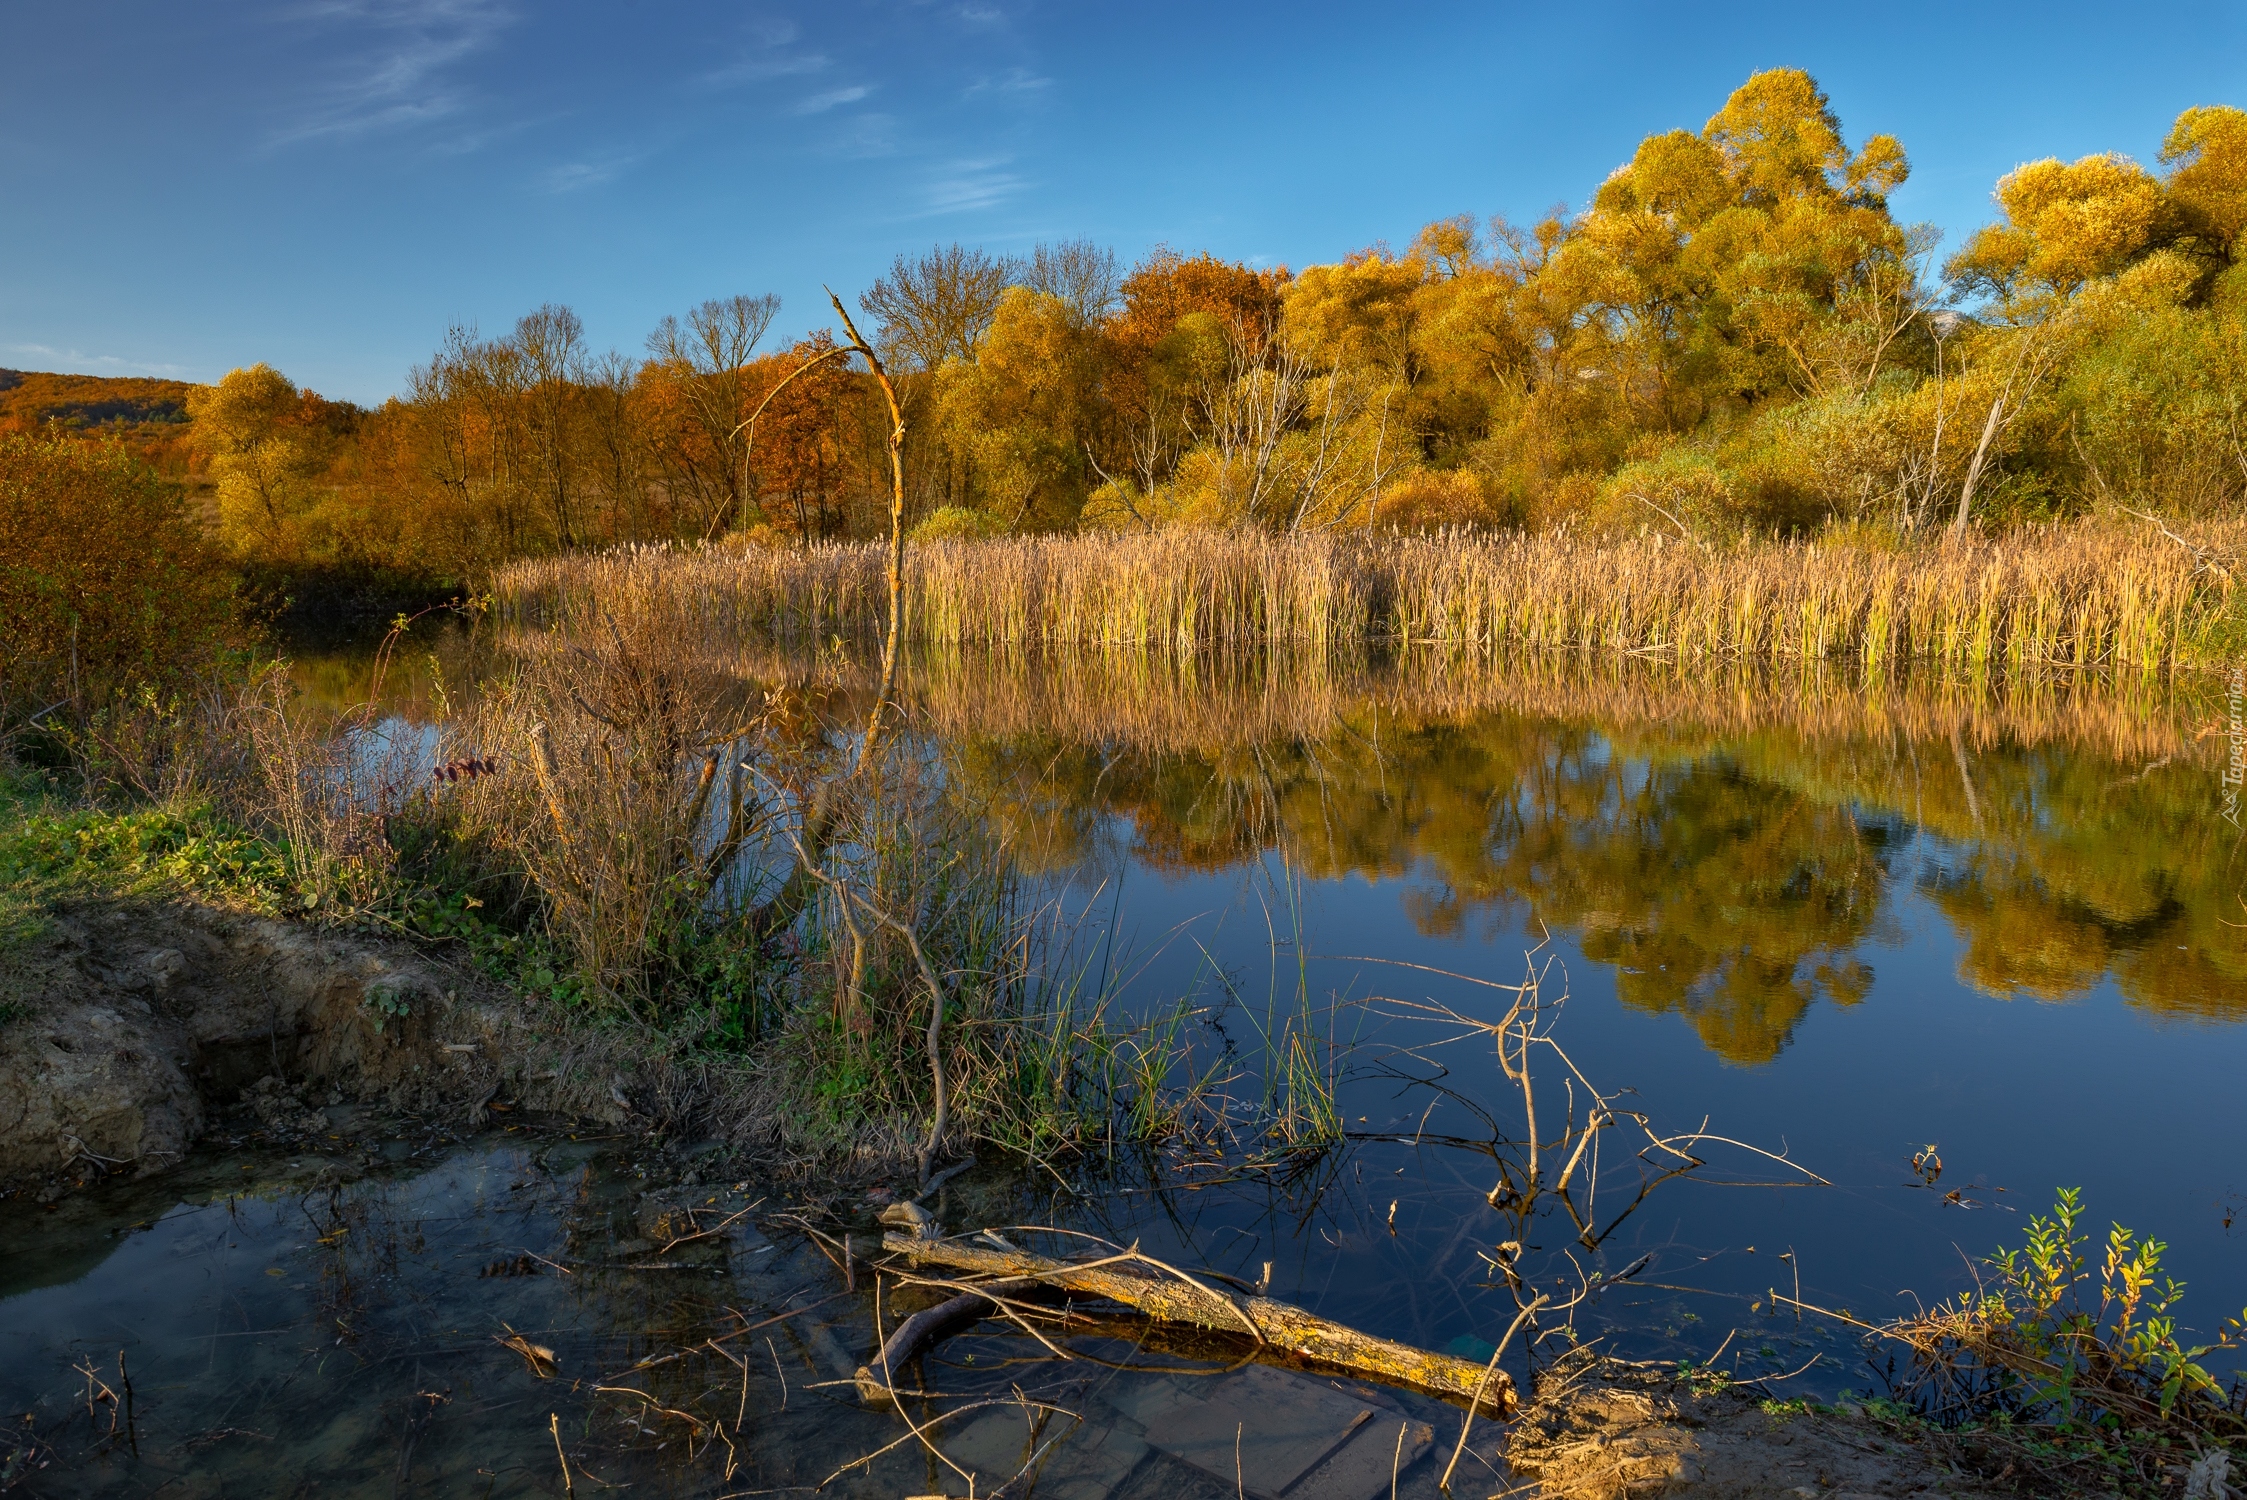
1939	947
467	1319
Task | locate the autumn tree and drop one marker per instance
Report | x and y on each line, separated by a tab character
261	458
2206	153
1754	257
2065	224
1166	349
1023	412
709	356
804	456
106	582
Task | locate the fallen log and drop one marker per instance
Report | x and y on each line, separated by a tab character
1129	1279
877	1378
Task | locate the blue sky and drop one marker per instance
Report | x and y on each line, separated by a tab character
327	184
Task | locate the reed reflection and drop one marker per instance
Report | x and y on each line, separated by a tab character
1729	854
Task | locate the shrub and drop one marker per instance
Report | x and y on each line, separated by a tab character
105	584
1432	499
954	523
2047	1340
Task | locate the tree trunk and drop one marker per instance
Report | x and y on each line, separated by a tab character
1974	469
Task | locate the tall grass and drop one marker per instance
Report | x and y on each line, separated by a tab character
2078	595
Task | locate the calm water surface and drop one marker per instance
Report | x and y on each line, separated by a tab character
1839	924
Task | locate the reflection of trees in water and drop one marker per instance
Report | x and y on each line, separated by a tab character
2072	867
1727	877
1712	894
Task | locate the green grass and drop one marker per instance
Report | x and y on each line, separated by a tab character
52	852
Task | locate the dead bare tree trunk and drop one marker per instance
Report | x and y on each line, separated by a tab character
896	527
1974	469
1176	1298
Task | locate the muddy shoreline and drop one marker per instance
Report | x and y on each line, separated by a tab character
138	1028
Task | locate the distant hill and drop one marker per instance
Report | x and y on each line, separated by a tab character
131	407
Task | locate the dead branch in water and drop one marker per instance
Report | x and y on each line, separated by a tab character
877	1378
1184	1300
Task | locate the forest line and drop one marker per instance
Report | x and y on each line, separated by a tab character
1735	337
1734	341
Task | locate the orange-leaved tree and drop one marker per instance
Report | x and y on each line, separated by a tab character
106	583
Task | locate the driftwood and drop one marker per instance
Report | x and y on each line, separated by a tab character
877	1378
1175	1298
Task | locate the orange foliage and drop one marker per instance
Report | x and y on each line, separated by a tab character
800	461
148	415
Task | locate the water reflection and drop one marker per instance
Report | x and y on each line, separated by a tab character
1723	836
1727	874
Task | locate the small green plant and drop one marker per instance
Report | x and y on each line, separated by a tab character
2075	1340
2117	1350
164	850
385	1003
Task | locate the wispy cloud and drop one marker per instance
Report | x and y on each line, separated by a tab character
576	176
819	104
83	360
401	61
967	186
770	53
1012	81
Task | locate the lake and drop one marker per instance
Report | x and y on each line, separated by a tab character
1853	975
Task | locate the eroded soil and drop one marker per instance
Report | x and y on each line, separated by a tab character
133	1028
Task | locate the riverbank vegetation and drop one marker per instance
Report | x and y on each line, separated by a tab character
789	934
2065	1367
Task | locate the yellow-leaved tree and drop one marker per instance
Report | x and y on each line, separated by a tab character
262	460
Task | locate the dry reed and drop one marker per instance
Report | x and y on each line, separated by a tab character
2078	595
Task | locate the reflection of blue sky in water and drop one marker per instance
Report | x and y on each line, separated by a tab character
293	1327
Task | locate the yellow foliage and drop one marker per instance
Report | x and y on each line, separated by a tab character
2065	224
1360	312
1429	499
951	523
2206	153
1020	411
262	463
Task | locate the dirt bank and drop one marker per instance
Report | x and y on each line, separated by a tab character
1603	1429
130	1028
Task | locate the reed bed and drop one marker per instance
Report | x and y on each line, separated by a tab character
2077	595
